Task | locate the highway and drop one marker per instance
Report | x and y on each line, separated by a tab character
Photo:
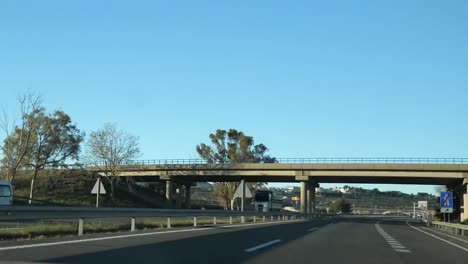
347	239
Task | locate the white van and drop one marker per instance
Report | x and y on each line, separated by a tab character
6	193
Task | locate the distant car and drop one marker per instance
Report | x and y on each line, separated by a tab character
6	193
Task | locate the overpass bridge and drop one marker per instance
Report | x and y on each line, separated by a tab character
309	172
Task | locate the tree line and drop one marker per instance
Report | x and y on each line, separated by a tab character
38	139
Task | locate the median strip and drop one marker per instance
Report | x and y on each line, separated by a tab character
262	246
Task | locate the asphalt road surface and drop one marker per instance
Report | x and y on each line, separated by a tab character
335	240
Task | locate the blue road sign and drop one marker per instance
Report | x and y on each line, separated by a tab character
446	202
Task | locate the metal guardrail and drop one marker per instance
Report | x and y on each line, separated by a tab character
11	214
454	228
21	213
306	161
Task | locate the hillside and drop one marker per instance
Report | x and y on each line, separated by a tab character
73	187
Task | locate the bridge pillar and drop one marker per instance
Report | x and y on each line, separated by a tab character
187	196
313	201
303	197
178	196
464	201
169	187
311	204
309	198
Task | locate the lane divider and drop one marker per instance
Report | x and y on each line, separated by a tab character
252	249
312	229
436	237
390	240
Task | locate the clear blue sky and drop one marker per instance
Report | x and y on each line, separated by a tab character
306	78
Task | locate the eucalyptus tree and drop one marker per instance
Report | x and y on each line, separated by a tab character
55	141
231	147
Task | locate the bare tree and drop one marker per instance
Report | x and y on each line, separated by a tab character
18	134
111	148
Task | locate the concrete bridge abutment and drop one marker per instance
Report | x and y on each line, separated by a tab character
464	201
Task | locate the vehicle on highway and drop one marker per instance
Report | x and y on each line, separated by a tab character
266	201
6	193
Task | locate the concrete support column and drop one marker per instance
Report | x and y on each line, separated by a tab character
178	196
187	196
303	197
309	198
313	200
464	201
168	190
170	194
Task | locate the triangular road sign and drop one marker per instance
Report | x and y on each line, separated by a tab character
96	186
238	193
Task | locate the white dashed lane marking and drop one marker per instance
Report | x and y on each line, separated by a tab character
252	249
397	246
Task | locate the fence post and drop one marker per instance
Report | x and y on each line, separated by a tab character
271	218
132	226
214	220
263	218
230	220
168	222
194	221
255	219
242	219
279	218
80	226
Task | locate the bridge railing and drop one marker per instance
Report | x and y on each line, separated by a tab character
377	160
278	160
307	161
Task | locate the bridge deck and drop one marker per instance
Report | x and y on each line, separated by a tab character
443	174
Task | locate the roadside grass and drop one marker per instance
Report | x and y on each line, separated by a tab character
58	229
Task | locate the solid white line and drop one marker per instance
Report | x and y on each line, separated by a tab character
440	233
312	229
441	239
132	235
262	246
